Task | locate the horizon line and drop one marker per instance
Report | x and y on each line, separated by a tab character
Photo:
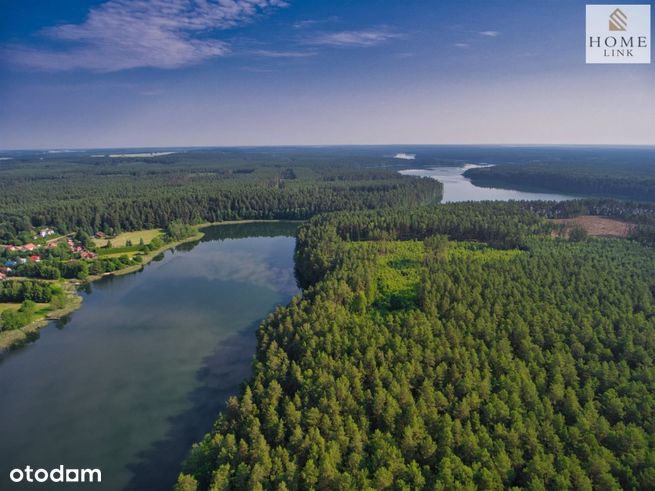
323	145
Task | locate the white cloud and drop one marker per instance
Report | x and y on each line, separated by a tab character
152	92
123	34
461	45
491	34
359	39
303	24
256	69
282	54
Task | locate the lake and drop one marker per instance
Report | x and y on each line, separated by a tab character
141	370
459	188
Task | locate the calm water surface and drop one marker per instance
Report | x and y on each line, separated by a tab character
140	372
459	188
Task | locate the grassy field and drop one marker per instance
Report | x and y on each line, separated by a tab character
119	251
41	308
399	264
8	306
135	237
9	338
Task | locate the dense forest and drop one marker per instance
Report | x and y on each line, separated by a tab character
449	347
628	180
456	346
121	194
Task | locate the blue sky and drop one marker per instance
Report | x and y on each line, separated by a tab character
264	72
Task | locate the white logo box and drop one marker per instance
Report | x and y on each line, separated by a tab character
618	34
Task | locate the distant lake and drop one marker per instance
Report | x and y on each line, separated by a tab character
459	188
142	369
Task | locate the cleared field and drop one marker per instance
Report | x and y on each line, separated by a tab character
135	237
8	306
40	307
597	226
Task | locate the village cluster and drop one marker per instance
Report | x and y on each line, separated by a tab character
32	252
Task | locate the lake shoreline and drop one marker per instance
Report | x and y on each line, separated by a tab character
18	338
458	187
175	341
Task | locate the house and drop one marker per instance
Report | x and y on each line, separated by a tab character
100	235
22	260
46	232
9	247
35	259
3	276
10	264
88	255
28	247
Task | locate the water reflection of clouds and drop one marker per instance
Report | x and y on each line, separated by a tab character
232	265
133	359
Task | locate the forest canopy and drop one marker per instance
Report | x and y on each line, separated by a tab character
114	195
438	348
627	180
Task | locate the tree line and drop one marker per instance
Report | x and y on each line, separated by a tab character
18	291
115	196
635	181
28	293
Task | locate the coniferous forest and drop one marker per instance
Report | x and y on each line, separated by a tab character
451	347
278	245
434	346
626	180
114	195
